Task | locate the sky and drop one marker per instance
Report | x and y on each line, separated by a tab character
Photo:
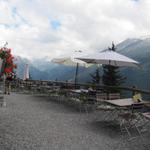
54	28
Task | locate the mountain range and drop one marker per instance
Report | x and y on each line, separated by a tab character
138	49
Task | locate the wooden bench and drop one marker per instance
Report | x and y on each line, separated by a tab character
113	96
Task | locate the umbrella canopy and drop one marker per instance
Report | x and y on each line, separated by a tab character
68	61
26	72
1	66
1	62
71	61
109	57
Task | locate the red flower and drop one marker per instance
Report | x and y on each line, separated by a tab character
7	70
5	53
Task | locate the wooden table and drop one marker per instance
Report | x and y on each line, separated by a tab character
79	91
83	95
126	102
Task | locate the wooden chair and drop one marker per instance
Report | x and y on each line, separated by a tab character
110	111
131	121
101	97
112	96
103	107
146	118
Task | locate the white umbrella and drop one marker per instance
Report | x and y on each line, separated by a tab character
71	61
26	72
109	57
1	64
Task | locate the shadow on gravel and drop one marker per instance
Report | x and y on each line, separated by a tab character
56	106
108	128
112	130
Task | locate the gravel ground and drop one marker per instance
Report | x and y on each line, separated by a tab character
37	123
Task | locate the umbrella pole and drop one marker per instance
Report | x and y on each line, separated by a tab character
76	75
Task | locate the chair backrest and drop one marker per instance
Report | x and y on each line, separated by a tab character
113	96
101	96
137	107
92	93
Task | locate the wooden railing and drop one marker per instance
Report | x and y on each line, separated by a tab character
79	85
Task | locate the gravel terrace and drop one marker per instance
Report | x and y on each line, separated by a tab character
37	123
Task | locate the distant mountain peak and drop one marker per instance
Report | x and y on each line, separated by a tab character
144	37
128	43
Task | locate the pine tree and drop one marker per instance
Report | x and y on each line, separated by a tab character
96	78
112	76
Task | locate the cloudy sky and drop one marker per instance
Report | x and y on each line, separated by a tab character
51	28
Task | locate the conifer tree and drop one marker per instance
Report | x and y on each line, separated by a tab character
112	76
96	77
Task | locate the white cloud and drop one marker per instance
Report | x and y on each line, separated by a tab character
82	25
